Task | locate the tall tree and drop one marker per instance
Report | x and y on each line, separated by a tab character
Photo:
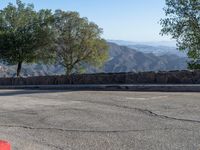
25	35
78	41
183	24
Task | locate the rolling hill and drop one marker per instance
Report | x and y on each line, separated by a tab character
121	59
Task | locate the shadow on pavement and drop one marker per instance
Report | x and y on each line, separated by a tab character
28	91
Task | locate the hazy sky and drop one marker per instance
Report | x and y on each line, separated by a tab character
133	20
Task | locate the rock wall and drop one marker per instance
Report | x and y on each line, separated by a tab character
172	77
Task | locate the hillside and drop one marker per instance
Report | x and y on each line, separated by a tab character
124	59
157	48
121	59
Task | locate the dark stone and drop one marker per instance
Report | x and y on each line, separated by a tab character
172	77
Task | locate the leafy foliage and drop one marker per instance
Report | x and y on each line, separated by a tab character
183	24
194	65
78	41
28	36
25	35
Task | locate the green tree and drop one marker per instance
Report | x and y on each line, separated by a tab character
25	35
183	24
78	42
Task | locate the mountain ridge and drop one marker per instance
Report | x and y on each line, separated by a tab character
121	59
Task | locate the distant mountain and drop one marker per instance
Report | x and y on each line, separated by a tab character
125	59
153	43
157	48
31	70
121	59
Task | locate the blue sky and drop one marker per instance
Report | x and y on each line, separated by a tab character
132	20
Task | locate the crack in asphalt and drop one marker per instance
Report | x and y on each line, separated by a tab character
151	113
93	131
144	111
49	145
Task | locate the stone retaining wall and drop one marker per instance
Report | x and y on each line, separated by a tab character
172	77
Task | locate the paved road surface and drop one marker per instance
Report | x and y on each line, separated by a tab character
94	120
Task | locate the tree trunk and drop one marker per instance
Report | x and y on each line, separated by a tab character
68	74
19	67
68	71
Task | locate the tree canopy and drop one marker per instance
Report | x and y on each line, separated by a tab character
25	34
78	41
183	24
28	36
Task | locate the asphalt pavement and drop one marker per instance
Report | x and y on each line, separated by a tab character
99	120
